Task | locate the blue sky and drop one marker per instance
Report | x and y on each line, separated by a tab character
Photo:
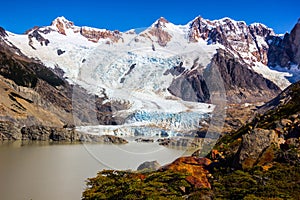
18	16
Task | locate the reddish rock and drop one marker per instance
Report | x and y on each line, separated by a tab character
62	24
195	166
162	36
95	35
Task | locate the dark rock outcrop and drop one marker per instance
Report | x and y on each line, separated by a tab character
36	35
2	32
176	70
295	43
190	86
146	140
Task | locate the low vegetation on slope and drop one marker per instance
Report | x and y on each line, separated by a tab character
262	159
184	178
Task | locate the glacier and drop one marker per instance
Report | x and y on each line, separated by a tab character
151	124
131	70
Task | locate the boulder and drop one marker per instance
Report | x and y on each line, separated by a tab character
149	165
286	122
253	146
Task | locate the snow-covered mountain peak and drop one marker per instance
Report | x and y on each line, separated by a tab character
228	20
163	32
261	29
164	24
61	24
67	46
161	22
63	20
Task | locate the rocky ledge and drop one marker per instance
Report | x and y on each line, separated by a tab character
10	131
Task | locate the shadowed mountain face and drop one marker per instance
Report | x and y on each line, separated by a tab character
241	83
285	51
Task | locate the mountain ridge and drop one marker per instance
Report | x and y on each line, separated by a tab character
206	31
164	64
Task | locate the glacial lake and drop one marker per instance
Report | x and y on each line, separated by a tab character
51	171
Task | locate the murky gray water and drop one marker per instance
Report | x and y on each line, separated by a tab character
58	171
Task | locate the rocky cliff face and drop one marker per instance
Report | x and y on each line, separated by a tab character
285	51
240	81
96	35
246	41
252	43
